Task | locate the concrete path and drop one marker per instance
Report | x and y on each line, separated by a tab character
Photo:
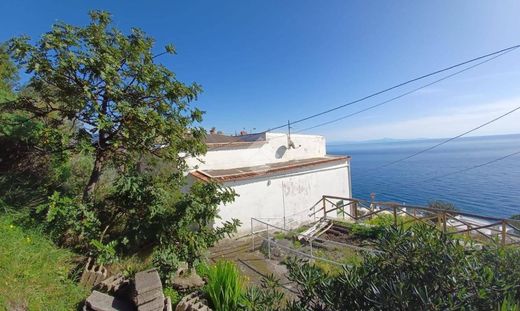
253	264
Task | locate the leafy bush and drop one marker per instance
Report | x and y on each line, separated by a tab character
381	220
418	268
266	297
225	286
166	261
105	253
442	205
69	222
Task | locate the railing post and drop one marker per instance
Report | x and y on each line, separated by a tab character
355	210
444	222
252	236
324	207
395	215
268	242
310	243
504	232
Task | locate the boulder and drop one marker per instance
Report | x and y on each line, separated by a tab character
185	279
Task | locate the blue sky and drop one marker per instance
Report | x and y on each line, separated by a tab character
265	62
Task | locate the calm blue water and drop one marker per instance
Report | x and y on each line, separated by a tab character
492	190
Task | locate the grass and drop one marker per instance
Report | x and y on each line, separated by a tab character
346	256
34	272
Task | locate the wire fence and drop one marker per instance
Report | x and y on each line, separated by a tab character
265	232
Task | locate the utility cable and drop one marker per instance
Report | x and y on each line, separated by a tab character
449	139
502	51
401	95
472	167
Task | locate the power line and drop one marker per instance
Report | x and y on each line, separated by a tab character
397	86
450	139
473	167
494	54
404	94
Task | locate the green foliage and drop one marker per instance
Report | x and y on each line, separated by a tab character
69	222
166	261
225	286
34	271
8	76
509	305
105	253
363	231
111	86
94	140
442	205
266	297
174	295
381	220
418	268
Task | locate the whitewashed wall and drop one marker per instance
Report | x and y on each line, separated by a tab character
290	194
272	151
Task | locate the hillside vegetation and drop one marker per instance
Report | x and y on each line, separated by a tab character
34	272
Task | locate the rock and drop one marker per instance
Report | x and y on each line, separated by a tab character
183	283
185	279
193	302
98	301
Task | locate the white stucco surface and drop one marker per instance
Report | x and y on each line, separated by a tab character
272	151
270	198
284	196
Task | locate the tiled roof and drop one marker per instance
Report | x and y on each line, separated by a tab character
241	173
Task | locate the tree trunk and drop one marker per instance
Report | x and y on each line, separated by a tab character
94	178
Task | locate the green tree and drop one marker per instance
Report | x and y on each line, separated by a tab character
109	83
97	102
8	76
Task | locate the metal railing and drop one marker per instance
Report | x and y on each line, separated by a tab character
265	231
449	221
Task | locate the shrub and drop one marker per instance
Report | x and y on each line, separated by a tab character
442	205
266	297
225	286
166	261
381	220
69	222
418	268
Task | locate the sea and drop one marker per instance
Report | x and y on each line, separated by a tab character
491	190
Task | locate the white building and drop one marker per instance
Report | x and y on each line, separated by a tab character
274	182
